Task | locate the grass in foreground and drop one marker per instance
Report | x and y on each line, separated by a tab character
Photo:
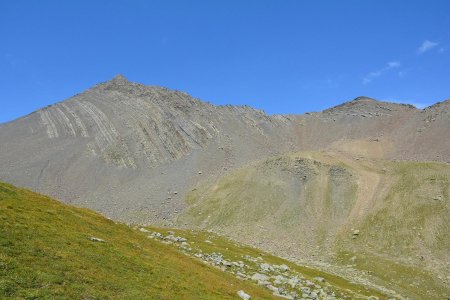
46	252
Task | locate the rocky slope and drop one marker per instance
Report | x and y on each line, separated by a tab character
353	216
124	148
132	151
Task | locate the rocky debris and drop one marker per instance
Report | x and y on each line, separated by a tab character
243	295
259	277
266	267
95	239
282	268
279	279
319	279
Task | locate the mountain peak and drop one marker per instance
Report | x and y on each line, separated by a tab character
118	82
364	98
119	78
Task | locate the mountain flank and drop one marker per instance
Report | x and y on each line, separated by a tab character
52	250
124	148
360	190
337	213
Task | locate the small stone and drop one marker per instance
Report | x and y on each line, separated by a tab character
272	288
279	279
243	295
283	268
320	279
293	282
226	263
94	239
266	267
259	277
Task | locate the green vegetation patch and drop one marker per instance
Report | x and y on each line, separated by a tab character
47	251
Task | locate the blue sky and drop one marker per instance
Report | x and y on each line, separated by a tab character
280	56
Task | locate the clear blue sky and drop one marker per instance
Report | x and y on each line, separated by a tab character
280	56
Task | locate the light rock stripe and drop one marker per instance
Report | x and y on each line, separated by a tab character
109	134
52	132
99	118
78	122
63	119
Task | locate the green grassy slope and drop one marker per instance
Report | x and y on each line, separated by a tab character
46	252
307	206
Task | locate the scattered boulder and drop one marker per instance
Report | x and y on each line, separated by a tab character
273	289
157	234
279	279
283	268
243	295
226	263
266	267
293	282
310	283
319	279
259	277
94	239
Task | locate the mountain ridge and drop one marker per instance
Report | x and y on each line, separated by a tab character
121	135
121	83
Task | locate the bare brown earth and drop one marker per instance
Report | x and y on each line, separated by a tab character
296	185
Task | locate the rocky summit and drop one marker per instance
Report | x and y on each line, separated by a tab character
360	189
